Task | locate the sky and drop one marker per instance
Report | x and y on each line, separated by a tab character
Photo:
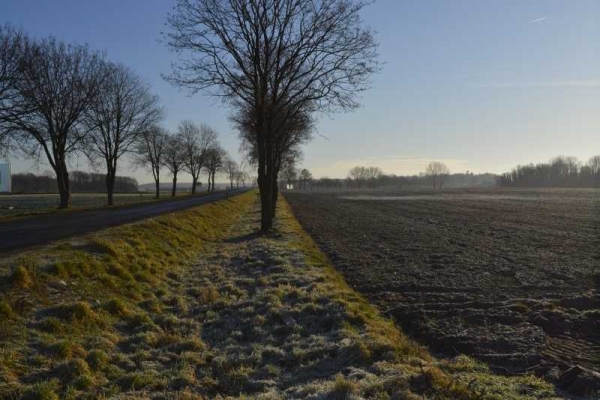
480	85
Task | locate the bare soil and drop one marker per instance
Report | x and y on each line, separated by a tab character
510	277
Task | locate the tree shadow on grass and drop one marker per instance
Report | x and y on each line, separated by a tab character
244	238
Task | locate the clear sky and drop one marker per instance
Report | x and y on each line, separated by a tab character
481	85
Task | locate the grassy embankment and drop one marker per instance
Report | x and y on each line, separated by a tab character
193	305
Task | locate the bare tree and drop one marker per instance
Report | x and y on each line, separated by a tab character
13	44
231	169
150	152
174	158
594	165
215	157
290	175
241	177
57	85
277	62
243	172
437	173
305	178
365	175
124	110
196	142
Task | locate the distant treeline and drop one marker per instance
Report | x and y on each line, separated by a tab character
80	181
467	179
559	172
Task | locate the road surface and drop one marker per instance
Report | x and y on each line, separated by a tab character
39	230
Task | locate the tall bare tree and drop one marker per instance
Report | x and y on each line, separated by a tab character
123	111
437	173
150	152
275	61
58	83
13	45
174	157
196	142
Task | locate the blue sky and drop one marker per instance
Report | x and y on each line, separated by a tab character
481	85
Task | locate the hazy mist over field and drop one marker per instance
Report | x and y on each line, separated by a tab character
481	86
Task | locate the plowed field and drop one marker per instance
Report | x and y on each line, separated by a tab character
510	277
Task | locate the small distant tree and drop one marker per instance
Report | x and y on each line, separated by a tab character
360	176
305	178
215	156
173	159
241	177
243	173
123	111
289	172
196	142
594	165
437	173
150	152
357	173
374	173
231	169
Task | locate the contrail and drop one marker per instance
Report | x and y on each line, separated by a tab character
533	21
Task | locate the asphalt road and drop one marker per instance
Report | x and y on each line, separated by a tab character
43	229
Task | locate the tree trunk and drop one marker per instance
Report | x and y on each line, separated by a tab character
110	186
174	189
194	181
264	187
64	188
274	196
157	194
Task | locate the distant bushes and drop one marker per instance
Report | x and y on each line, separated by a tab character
82	182
559	172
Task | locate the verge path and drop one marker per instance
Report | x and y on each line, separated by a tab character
39	230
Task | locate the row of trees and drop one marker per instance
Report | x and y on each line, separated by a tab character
57	99
558	172
80	181
193	148
436	175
